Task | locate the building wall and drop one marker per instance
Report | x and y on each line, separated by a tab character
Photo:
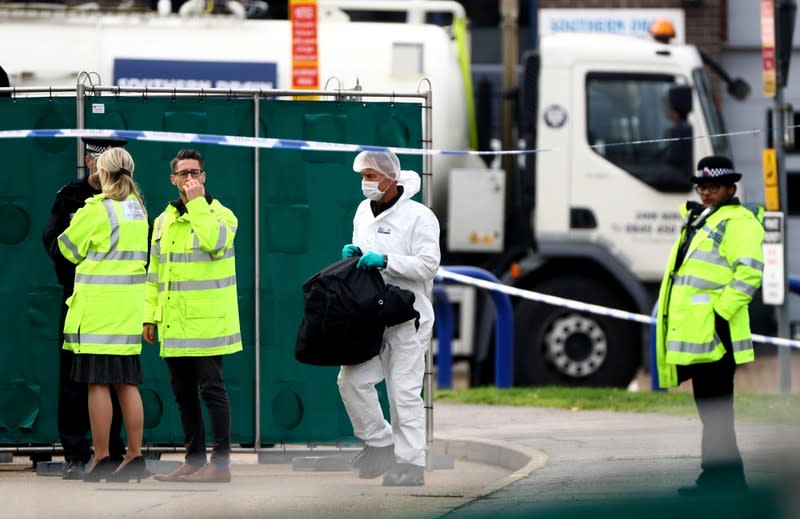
705	24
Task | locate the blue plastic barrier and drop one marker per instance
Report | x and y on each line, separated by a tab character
444	334
653	355
504	330
794	284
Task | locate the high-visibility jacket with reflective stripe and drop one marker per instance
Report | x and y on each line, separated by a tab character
107	240
191	281
720	273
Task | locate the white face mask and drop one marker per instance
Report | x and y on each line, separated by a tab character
371	190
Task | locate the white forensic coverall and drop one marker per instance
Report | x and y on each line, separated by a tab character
408	234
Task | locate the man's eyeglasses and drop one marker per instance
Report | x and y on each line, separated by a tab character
711	188
186	172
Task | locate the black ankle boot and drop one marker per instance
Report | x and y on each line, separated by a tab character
101	470
134	469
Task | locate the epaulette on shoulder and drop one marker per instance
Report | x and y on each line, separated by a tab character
756	209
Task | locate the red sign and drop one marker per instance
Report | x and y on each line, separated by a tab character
305	78
768	46
305	58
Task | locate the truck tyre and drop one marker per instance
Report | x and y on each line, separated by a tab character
481	373
560	346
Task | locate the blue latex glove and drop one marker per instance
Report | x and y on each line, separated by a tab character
371	260
350	250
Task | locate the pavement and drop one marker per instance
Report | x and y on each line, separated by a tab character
506	462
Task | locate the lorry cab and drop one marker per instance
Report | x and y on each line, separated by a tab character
603	98
618	123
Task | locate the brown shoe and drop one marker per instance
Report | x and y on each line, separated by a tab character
209	474
184	470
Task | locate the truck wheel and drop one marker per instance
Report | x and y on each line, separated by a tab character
560	346
482	373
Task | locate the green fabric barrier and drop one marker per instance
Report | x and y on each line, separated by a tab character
307	201
229	177
35	169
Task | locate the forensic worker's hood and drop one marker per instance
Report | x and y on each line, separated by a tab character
411	182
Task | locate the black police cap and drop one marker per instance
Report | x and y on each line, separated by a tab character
101	144
716	169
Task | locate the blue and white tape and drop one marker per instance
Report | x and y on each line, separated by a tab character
247	142
583	307
295	144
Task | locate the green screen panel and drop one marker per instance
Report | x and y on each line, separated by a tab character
35	170
229	177
306	198
319	191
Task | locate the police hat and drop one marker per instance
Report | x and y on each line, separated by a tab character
97	145
715	169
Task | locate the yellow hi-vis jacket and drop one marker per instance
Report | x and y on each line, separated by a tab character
720	273
190	292
108	241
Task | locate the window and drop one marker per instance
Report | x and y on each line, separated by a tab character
625	112
713	118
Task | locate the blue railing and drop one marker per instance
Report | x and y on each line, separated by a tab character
653	359
794	284
444	335
504	330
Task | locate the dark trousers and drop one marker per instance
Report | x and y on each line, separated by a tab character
192	378
73	410
712	385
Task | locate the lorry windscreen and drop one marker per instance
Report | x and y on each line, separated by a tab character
629	123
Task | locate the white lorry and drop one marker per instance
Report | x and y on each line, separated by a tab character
603	205
591	219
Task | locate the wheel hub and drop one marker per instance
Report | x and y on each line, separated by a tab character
576	345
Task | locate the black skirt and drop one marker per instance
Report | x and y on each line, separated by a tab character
92	368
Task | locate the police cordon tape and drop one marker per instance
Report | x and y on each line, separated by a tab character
247	142
295	144
583	307
262	142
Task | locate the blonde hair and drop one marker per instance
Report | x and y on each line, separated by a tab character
115	168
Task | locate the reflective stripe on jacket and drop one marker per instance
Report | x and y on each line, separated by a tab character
719	274
107	240
191	281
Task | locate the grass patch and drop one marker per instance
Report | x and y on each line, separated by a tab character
779	409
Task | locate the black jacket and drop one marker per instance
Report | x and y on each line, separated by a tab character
69	199
345	313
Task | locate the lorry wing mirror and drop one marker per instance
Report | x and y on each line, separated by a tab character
739	89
